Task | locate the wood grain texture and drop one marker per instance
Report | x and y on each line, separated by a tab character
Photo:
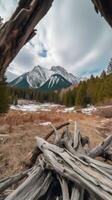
64	170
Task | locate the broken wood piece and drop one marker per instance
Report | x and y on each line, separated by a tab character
36	152
34	187
7	182
101	148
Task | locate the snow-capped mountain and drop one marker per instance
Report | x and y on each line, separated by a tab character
38	76
32	79
41	76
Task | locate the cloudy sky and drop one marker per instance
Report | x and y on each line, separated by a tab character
71	35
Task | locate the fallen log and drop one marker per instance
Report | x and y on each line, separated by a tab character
66	172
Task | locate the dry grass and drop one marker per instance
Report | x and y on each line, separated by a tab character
107	113
21	128
14	118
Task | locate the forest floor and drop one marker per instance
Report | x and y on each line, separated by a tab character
18	129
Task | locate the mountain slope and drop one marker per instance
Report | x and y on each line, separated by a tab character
60	70
20	82
32	79
55	82
10	76
40	76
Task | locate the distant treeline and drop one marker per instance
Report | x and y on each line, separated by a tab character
92	91
95	90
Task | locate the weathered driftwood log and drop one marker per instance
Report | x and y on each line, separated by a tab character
66	172
16	32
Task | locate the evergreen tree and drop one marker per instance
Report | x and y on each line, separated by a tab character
103	74
4	97
65	99
81	97
109	68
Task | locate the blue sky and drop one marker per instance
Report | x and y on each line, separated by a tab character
71	35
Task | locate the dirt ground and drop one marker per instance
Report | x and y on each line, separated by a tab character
18	130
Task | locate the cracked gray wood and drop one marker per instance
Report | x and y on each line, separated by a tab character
65	172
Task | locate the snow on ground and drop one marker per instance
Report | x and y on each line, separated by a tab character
69	110
47	107
29	108
66	110
34	107
89	110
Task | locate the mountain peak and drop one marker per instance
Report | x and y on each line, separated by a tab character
58	68
40	75
38	67
62	71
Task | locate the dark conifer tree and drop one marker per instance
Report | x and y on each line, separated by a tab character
81	97
109	68
4	97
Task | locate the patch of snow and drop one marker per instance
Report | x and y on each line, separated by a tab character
66	110
89	110
57	80
52	81
29	108
34	107
45	109
71	109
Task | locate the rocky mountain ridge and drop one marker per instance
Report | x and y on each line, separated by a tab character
56	77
